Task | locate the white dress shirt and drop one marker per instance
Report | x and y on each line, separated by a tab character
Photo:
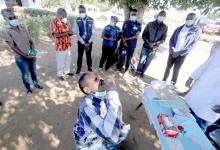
205	93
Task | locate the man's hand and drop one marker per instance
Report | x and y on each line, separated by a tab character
175	54
216	109
110	84
87	45
151	45
70	33
189	82
30	57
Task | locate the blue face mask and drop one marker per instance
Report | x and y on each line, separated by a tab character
100	94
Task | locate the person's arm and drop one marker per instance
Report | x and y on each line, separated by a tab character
16	50
109	39
145	33
104	127
58	35
171	42
77	34
8	39
192	45
93	32
163	38
104	35
32	46
135	36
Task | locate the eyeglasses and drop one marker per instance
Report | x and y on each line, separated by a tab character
11	18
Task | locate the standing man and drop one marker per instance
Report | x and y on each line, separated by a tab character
154	34
19	40
130	32
181	43
99	124
61	33
84	28
110	36
204	96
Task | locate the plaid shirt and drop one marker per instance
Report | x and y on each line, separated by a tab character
98	125
57	26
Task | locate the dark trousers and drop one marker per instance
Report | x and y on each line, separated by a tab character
144	63
27	66
121	60
81	49
177	63
107	56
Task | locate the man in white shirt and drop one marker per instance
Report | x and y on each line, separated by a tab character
182	41
204	97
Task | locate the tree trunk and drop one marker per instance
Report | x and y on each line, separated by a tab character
126	12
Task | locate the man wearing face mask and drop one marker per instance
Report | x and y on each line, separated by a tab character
130	32
110	36
154	34
19	40
181	43
84	28
61	33
99	125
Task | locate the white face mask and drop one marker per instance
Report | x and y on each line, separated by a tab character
189	23
14	22
82	15
133	18
100	94
112	23
160	18
64	20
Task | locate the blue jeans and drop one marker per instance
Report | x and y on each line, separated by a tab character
143	64
202	123
121	60
27	65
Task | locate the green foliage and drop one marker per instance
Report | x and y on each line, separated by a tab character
35	12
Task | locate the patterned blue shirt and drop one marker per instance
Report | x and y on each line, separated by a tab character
111	32
99	123
129	29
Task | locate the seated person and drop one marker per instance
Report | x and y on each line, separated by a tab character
99	125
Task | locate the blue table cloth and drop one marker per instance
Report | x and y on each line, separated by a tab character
193	139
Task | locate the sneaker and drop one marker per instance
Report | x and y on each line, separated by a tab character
38	86
62	78
100	69
90	69
29	92
117	71
142	75
78	71
70	74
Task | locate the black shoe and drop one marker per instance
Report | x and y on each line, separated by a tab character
61	78
29	92
38	86
78	71
70	74
90	69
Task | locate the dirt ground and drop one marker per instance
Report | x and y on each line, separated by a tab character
45	120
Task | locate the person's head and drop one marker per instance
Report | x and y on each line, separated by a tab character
82	11
62	14
190	20
114	20
90	83
10	17
133	14
161	16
